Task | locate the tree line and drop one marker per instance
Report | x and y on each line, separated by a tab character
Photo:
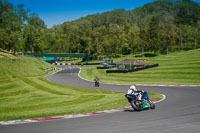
161	26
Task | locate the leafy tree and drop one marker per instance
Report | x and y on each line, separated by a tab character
153	36
34	34
116	32
125	49
4	39
143	39
190	37
134	38
98	37
167	32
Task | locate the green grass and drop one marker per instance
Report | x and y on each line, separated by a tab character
25	93
34	97
179	68
22	67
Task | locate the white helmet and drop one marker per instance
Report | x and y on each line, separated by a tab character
132	89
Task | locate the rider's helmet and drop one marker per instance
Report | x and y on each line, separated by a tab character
132	89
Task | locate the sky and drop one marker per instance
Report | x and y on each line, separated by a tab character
54	12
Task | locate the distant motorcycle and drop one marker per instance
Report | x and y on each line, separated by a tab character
96	84
139	100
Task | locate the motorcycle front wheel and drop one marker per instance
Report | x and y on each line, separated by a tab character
152	106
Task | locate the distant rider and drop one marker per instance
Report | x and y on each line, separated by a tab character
96	82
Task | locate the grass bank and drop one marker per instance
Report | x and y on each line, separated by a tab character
24	93
179	68
13	67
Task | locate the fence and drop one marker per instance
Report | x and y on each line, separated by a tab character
50	69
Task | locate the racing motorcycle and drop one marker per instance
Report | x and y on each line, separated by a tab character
96	84
139	100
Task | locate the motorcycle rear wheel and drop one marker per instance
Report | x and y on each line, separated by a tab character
136	106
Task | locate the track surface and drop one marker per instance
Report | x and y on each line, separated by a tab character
179	113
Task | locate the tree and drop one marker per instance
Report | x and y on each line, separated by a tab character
33	34
190	37
143	39
134	38
116	33
187	13
61	46
153	36
4	39
167	31
125	49
98	36
35	21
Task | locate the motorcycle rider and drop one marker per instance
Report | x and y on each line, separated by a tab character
140	95
134	91
96	82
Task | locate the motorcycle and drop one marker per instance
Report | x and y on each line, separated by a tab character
139	100
96	84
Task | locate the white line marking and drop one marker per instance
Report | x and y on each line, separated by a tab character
164	97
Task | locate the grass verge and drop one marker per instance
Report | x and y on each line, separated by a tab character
35	97
179	68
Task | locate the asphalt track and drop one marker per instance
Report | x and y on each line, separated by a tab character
178	113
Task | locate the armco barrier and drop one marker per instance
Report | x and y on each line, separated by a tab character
51	69
107	67
91	63
117	71
77	63
126	71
